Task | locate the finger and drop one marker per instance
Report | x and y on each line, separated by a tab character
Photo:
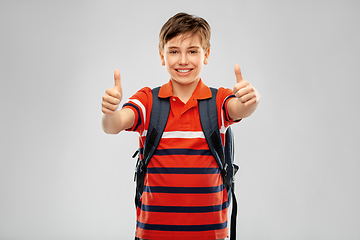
250	102
109	106
243	93
247	97
117	78
243	90
107	111
238	73
242	84
110	99
113	92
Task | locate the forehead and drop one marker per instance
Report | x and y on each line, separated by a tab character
184	40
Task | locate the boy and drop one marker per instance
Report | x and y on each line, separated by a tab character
178	203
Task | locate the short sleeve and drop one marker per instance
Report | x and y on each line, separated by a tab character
139	104
223	97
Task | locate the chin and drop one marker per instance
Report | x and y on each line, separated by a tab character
185	81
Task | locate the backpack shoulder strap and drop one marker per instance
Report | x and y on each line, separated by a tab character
210	126
158	119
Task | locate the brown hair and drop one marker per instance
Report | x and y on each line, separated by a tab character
184	23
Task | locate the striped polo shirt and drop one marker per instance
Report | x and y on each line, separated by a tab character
184	196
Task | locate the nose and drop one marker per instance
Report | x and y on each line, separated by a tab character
183	60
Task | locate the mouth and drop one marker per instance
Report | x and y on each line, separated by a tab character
184	70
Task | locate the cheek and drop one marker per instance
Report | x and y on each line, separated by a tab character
198	60
169	61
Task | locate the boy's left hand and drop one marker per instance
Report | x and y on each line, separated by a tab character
246	93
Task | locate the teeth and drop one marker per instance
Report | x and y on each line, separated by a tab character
183	71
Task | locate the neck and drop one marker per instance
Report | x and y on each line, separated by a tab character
184	91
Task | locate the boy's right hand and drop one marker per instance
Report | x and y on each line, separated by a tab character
113	96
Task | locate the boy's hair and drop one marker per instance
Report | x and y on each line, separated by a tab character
184	23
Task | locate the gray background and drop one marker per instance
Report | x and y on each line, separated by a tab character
62	177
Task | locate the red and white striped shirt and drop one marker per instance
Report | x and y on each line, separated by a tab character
184	196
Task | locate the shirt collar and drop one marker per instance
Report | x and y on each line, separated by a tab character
201	91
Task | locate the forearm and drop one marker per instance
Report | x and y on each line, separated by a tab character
238	110
111	123
117	122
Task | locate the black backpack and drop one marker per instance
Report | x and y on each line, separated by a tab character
224	156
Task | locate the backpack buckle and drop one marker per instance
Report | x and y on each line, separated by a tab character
135	153
225	169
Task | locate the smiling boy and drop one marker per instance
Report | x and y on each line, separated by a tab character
170	206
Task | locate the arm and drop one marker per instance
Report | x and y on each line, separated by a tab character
114	121
247	98
119	121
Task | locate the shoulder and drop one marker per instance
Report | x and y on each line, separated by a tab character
143	95
140	101
145	91
224	91
223	94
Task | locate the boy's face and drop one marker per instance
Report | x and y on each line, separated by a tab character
183	57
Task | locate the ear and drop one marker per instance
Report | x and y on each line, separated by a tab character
162	58
207	55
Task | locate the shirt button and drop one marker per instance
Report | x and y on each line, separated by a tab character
174	99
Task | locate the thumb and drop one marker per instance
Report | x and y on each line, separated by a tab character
238	73
117	79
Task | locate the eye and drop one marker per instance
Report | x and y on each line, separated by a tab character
173	52
193	51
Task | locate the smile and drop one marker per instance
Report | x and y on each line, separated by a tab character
183	70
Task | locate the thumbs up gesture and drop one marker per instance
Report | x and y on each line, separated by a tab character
246	93
113	96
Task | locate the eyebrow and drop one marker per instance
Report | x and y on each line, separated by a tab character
174	47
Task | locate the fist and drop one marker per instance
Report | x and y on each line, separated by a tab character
113	96
246	93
